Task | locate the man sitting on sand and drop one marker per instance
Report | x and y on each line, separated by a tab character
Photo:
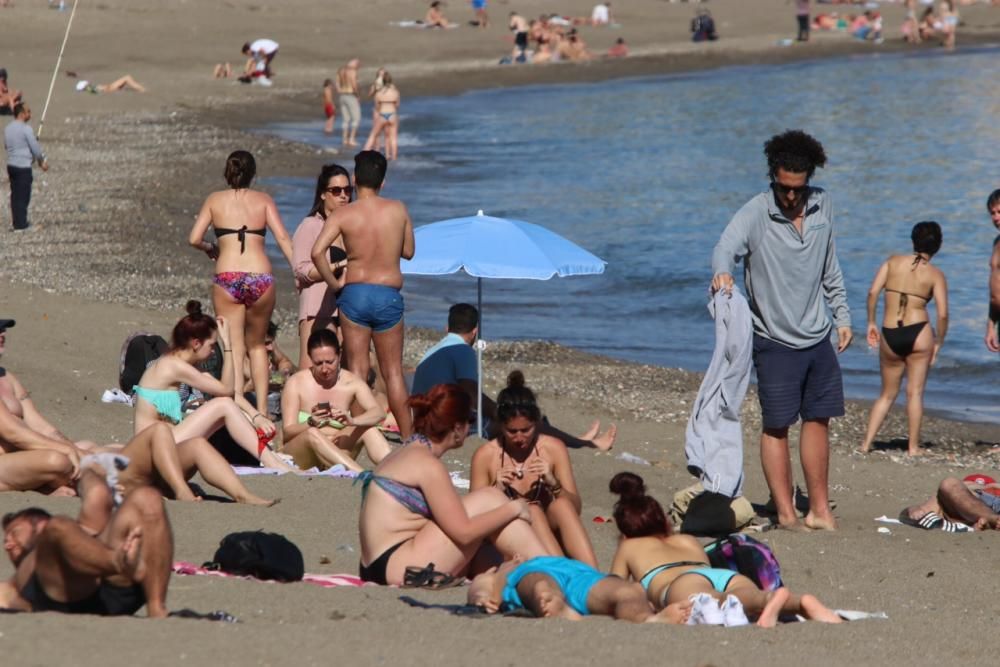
316	403
105	563
553	586
452	361
435	18
974	501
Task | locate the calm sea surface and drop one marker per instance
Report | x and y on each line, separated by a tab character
645	173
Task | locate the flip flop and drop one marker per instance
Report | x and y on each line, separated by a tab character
429	578
929	521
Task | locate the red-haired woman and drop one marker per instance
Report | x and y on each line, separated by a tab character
674	568
158	392
411	514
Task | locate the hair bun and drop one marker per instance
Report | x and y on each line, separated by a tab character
627	485
515	379
193	307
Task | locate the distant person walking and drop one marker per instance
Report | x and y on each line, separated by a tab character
802	16
350	105
387	101
22	152
479	8
328	109
910	345
993	321
785	238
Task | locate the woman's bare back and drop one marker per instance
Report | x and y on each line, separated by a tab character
909	287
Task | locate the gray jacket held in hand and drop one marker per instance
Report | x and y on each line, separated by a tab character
790	277
714	440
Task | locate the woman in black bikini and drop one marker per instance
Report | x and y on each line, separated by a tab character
525	463
906	342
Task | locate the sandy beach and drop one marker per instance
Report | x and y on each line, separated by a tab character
108	256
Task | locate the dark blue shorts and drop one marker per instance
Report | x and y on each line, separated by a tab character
377	307
794	383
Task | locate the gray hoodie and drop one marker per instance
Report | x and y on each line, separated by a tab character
790	277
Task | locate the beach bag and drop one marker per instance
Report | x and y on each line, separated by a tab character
742	553
260	555
138	351
709	515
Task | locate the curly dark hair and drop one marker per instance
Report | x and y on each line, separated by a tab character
926	237
795	151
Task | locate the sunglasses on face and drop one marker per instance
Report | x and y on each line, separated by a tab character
784	190
338	190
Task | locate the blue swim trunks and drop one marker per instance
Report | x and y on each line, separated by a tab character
479	4
377	307
574	578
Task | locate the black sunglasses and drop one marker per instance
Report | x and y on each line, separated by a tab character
337	190
786	190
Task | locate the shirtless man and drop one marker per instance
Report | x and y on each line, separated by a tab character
992	335
319	428
974	501
350	104
519	26
104	563
377	232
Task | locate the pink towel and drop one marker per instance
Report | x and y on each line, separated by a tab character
324	580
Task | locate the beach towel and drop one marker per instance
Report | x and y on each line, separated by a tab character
418	24
714	438
324	580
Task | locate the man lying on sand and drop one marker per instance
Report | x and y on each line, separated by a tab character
104	563
553	586
974	501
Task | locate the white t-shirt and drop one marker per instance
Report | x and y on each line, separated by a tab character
600	14
268	46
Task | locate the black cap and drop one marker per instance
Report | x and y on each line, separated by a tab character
6	324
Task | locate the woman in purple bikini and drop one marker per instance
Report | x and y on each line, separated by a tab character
244	285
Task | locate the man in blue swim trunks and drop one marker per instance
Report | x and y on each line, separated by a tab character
377	233
553	586
784	236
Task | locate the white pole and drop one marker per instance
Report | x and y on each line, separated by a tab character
55	72
479	359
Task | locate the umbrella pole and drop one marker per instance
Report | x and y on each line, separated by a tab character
55	72
479	359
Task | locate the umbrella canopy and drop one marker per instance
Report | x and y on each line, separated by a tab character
488	247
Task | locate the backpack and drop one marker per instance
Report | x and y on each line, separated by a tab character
260	555
138	351
742	553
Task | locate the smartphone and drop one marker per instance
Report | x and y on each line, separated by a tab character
323	406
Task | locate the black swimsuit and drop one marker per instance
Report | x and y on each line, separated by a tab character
540	492
242	234
107	600
901	339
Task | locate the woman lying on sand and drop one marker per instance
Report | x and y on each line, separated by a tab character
158	397
524	463
411	514
122	83
907	344
673	568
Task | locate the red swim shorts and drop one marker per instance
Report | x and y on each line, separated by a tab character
328	109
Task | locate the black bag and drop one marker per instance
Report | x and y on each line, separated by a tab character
138	351
259	554
709	514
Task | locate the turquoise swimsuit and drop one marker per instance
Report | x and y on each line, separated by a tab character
574	578
166	401
647	578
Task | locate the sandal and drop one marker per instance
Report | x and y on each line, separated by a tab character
429	578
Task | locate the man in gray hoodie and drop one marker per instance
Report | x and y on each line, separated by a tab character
785	238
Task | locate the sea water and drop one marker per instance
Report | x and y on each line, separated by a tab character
646	173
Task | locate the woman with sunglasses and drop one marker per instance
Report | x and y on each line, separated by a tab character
525	463
316	299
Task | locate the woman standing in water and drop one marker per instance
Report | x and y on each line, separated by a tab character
907	344
386	118
244	285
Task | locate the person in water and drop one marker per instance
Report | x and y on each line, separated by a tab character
907	344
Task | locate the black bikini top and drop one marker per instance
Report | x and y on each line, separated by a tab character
242	232
904	296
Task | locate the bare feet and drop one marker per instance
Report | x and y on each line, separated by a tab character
769	615
63	492
914	451
676	613
988	524
128	559
591	432
269	459
815	610
793	526
606	441
251	499
551	603
814	522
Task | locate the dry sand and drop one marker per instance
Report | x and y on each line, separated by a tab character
129	172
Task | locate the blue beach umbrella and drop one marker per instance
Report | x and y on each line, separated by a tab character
488	247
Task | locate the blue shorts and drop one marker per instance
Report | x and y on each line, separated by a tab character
479	4
988	499
575	579
377	307
718	577
793	383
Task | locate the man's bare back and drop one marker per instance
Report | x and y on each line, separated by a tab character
377	232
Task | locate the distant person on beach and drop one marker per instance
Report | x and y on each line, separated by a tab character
158	397
672	568
619	50
911	346
973	501
482	17
452	360
802	17
930	25
350	105
30	461
911	25
387	101
243	291
949	20
122	83
319	428
703	27
411	514
8	96
601	14
784	236
23	152
377	84
525	463
992	338
222	71
262	52
435	18
316	298
109	561
328	109
519	26
377	232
